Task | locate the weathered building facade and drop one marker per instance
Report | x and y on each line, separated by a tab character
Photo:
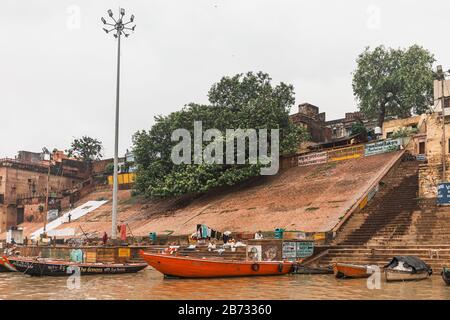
430	141
308	117
342	128
320	130
23	186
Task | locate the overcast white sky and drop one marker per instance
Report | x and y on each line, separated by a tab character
58	71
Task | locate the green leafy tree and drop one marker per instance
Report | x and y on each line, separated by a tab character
358	128
109	168
245	101
394	82
86	148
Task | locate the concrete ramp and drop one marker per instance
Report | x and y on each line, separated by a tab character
311	199
76	214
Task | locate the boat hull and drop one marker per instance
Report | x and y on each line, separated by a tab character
350	271
398	275
299	269
446	276
186	267
6	266
60	268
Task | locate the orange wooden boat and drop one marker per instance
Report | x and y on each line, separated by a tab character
187	267
344	270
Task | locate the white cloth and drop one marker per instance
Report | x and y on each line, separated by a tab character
240	244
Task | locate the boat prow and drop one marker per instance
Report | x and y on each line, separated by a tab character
446	275
56	268
187	267
351	271
6	265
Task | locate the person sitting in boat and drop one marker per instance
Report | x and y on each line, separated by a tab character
226	237
211	246
173	248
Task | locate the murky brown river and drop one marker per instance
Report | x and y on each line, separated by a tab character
149	284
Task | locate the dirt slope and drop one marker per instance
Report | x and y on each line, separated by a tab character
310	199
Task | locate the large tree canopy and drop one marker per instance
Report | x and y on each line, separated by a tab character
86	149
240	102
394	82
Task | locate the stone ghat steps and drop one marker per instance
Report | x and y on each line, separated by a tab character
436	260
386	247
390	213
387	235
436	265
390	252
437	256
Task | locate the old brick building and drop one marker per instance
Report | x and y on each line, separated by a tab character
342	128
320	130
23	185
308	116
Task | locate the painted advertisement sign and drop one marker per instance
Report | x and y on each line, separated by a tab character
305	249
289	250
346	153
293	250
443	193
373	192
382	147
312	159
254	253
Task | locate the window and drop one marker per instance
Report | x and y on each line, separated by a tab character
448	145
2	199
447	103
389	135
422	147
20	216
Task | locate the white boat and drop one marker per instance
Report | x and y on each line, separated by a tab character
400	275
407	268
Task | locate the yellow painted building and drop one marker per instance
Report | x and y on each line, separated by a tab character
123	178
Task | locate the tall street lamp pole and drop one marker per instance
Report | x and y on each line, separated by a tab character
119	28
441	74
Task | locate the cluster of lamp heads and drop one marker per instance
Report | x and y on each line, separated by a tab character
118	24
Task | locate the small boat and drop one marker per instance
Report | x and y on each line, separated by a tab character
446	275
46	267
302	269
187	267
6	266
407	268
351	271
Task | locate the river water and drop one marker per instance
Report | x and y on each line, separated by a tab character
150	284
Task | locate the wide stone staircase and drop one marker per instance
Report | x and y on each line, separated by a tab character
395	222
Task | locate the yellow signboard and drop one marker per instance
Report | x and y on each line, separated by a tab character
91	257
124	252
124	178
353	156
363	203
346	153
319	236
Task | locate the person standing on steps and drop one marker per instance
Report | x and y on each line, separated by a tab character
105	238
